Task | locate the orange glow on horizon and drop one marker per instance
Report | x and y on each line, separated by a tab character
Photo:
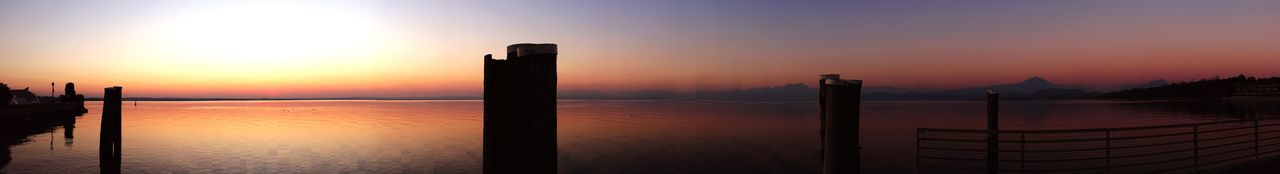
426	49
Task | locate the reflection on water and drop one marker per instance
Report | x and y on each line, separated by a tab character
69	132
595	136
19	127
1215	108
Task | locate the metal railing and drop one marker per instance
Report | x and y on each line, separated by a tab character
1178	148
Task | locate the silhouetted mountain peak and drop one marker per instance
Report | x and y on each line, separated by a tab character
1030	85
795	86
1036	80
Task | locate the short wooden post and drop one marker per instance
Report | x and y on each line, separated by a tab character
993	132
109	136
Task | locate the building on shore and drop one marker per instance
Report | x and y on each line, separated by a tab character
25	102
1258	90
24	96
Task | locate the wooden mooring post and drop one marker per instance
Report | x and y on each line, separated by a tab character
839	114
520	111
109	141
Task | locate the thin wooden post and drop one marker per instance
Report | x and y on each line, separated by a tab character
109	136
993	132
1255	138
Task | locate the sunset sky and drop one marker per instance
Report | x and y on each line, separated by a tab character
414	48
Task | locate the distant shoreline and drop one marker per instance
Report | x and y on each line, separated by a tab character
676	99
281	99
603	99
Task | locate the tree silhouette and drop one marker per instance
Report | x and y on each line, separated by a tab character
5	95
1211	88
70	89
71	97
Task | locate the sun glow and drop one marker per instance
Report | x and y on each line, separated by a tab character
269	35
265	45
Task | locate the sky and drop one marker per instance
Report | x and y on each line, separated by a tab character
392	48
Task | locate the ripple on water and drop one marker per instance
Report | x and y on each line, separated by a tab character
595	136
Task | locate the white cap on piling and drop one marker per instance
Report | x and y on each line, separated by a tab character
524	49
830	76
841	82
830	79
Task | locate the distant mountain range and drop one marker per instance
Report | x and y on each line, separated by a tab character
1150	84
788	92
1031	85
1033	88
1029	89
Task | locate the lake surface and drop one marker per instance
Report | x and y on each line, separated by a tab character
594	136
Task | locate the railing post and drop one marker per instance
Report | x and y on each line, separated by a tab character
1255	138
1022	154
1107	148
1195	147
993	132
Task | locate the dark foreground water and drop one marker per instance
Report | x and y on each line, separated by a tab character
595	136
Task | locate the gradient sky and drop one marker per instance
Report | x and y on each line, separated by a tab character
434	48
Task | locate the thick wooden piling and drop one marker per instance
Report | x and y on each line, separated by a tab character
520	111
993	132
839	113
822	112
109	141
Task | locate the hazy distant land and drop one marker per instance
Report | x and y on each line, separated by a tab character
1034	88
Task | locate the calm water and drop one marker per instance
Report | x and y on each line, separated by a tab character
595	136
